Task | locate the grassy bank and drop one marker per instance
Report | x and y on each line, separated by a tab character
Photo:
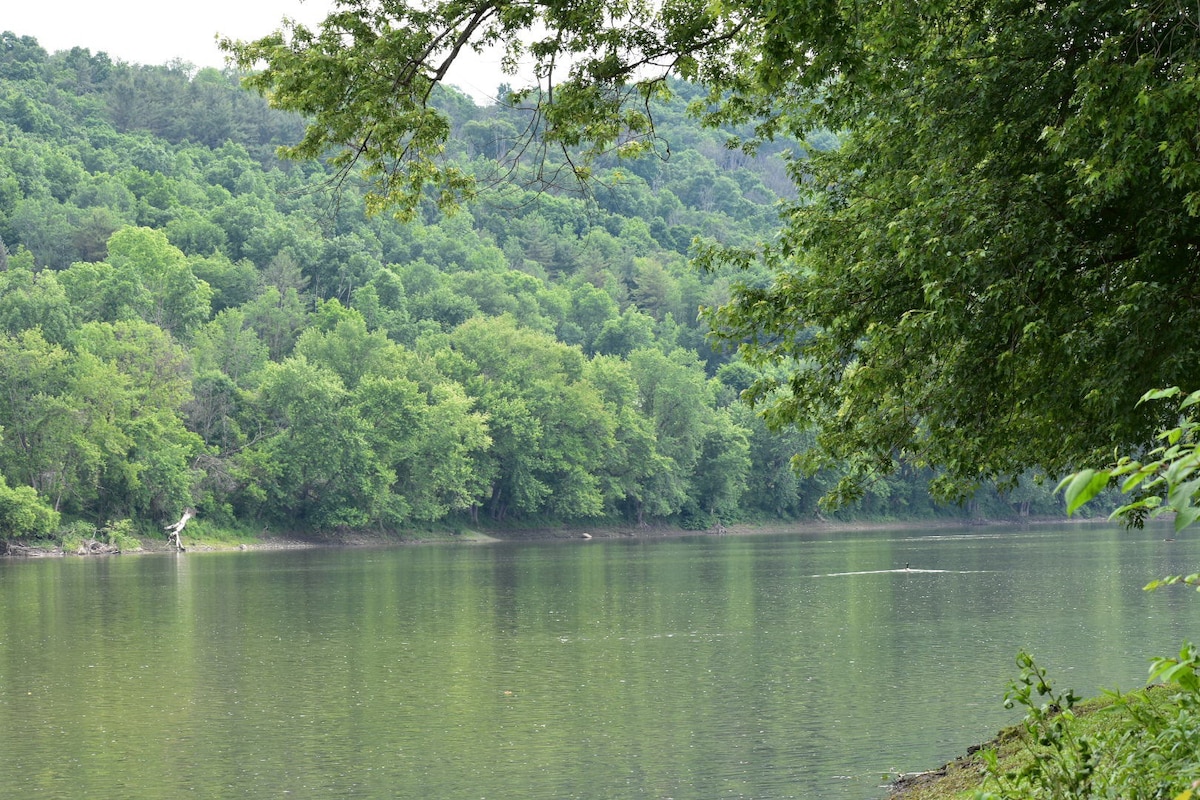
1142	744
1014	748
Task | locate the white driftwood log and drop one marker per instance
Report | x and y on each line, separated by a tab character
173	531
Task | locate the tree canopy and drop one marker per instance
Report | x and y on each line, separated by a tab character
994	247
185	322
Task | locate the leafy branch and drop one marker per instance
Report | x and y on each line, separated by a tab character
1166	481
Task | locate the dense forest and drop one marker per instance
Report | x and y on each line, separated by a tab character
188	321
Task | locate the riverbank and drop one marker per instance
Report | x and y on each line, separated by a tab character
217	540
960	778
1122	738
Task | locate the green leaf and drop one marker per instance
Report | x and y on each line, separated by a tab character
1149	503
1186	517
1133	480
1181	494
1158	583
1159	394
1180	469
1082	487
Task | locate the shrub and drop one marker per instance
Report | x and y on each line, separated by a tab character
119	533
74	534
1144	745
23	514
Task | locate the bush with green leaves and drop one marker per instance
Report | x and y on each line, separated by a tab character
120	534
1142	744
74	534
23	514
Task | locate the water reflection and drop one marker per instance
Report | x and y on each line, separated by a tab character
764	667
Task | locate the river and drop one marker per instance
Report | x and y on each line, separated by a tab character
796	665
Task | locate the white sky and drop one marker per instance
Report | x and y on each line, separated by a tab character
155	32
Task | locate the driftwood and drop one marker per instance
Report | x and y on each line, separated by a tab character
173	531
95	548
8	548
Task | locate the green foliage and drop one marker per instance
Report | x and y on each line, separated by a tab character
31	299
134	382
186	321
177	300
366	80
1005	214
1163	481
1167	480
1148	753
1148	744
120	534
902	292
25	515
74	534
315	466
1066	766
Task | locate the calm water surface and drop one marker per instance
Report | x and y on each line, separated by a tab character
779	666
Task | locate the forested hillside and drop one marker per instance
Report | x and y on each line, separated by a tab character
186	321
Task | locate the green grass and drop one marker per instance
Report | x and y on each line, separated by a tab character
1123	732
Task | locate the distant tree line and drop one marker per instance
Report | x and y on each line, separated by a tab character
187	321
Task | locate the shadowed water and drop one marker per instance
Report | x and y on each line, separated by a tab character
710	667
